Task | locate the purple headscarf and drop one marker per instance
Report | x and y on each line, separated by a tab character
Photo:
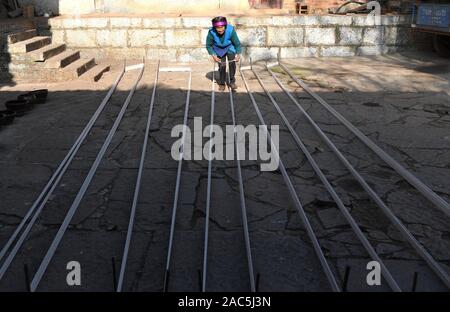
218	24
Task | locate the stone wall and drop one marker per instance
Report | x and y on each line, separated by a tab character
183	39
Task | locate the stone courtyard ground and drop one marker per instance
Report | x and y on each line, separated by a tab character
400	101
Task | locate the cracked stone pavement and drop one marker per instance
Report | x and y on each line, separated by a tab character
399	101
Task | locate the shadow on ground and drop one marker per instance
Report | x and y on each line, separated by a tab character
32	147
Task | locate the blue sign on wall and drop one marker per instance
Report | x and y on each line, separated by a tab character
433	15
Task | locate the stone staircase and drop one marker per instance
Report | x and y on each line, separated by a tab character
35	58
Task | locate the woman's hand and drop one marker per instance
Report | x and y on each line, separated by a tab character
238	58
216	58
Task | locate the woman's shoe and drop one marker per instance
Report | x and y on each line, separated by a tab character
221	87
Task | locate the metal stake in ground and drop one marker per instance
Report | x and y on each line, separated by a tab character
323	261
137	187
370	250
208	190
180	165
59	235
435	266
42	199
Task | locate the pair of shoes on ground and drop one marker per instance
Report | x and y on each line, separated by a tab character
232	85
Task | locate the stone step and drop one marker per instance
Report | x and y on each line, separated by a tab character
46	52
29	45
97	72
78	68
62	60
21	36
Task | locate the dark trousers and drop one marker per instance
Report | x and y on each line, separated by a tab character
223	69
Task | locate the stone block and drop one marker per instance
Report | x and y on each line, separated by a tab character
390	19
114	53
112	38
258	53
285	37
373	36
370	50
97	53
252	37
72	23
145	37
319	36
80	38
250	21
330	20
126	22
306	20
58	36
281	21
366	20
96	22
182	37
350	35
393	20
